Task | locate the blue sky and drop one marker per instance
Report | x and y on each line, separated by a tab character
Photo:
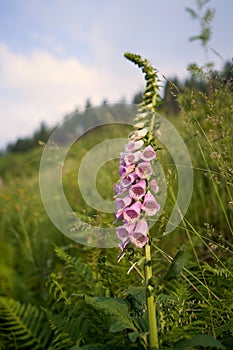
54	54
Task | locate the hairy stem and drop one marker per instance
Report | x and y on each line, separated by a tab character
151	306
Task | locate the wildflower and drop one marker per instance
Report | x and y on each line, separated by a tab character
144	170
139	235
131	158
119	215
139	125
128	180
148	154
138	190
119	189
132	213
121	203
154	186
125	170
133	146
133	199
138	134
123	232
123	245
150	205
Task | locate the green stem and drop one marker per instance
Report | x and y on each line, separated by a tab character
151	306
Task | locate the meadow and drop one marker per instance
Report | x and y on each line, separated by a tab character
58	294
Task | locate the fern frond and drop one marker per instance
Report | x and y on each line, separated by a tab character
24	325
64	327
56	289
82	271
151	97
217	271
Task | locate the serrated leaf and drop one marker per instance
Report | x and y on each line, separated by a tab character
176	266
115	310
136	296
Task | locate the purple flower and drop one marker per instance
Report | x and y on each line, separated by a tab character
121	203
123	246
138	190
131	191
119	215
119	189
133	146
144	170
139	235
123	232
128	180
130	158
132	213
150	205
154	186
125	170
122	158
138	134
148	154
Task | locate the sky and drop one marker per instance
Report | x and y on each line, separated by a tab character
56	54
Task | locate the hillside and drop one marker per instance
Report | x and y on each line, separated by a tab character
40	284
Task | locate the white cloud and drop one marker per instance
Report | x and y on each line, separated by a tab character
41	87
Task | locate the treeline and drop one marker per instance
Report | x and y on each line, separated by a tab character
174	86
169	106
26	143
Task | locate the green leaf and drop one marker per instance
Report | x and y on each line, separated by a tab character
192	12
198	340
195	37
115	310
209	15
176	266
133	336
136	296
205	35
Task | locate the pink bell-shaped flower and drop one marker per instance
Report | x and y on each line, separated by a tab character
132	213
144	170
138	190
139	235
133	146
148	154
150	205
123	232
